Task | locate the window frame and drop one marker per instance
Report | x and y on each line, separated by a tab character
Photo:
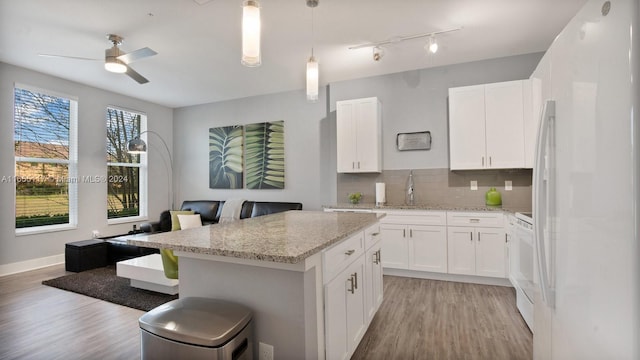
142	176
72	163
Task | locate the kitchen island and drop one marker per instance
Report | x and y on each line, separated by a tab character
280	266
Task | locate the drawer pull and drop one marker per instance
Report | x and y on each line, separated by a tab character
349	252
471	235
375	234
474	221
478	236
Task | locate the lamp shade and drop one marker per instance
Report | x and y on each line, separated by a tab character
251	33
136	146
312	79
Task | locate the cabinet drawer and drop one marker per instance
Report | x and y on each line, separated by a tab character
339	256
415	217
477	219
371	235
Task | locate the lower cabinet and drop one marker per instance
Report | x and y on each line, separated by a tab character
414	247
353	291
476	251
345	311
373	278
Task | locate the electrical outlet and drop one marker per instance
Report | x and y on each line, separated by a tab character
508	185
95	234
265	351
474	185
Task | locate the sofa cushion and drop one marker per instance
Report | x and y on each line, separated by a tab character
175	223
208	209
164	224
189	221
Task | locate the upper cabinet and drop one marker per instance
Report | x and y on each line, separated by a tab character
487	125
359	139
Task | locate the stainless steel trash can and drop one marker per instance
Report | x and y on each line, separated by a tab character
197	328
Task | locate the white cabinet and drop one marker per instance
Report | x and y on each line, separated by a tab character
344	311
359	135
486	126
475	247
415	240
352	291
373	271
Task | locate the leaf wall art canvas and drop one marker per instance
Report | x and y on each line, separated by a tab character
225	157
264	155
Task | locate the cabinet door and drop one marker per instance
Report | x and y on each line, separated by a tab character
373	274
461	250
368	132
394	246
356	323
490	252
467	128
504	125
428	248
335	317
346	136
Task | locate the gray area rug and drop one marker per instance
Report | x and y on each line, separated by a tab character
104	284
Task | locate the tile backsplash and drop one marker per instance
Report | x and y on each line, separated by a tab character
441	187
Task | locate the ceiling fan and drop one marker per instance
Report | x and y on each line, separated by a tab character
116	60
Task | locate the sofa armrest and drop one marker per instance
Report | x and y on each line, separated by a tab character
150	227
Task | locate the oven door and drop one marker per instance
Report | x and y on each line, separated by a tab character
523	271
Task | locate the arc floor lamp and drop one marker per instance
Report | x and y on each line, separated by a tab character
138	146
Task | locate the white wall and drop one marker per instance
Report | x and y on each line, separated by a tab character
19	252
304	124
417	101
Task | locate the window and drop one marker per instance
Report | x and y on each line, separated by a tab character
126	173
45	149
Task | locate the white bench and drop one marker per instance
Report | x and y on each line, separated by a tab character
146	272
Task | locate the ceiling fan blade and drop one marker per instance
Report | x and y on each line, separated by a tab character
69	57
136	76
136	55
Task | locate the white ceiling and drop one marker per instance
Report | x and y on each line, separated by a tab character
198	46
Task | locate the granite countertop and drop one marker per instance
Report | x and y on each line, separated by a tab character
369	206
287	237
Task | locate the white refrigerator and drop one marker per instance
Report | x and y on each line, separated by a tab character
586	188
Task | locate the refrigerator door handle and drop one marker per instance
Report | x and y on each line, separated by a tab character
541	187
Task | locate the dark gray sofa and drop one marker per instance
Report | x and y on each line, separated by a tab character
210	211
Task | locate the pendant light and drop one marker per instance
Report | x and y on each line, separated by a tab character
312	64
251	33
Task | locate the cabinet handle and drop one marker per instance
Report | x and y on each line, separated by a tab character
483	161
471	235
410	232
379	255
352	290
375	234
478	236
353	165
358	164
404	232
355	276
375	257
506	238
349	252
489	161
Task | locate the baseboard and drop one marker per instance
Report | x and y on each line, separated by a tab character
447	277
33	264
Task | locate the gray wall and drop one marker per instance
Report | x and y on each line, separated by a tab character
92	205
304	125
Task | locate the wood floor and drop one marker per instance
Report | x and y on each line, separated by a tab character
419	319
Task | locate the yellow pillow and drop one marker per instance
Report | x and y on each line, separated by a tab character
175	223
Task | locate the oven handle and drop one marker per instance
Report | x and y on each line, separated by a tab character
541	188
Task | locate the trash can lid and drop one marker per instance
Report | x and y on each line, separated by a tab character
197	321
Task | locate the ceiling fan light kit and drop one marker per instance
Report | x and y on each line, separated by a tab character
251	33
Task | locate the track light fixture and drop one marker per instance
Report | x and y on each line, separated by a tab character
433	45
378	53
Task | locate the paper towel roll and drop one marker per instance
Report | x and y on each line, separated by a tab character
380	194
